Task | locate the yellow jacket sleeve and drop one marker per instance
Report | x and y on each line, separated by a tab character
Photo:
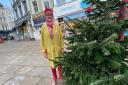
61	37
42	39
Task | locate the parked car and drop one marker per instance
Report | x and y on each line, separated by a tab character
8	38
1	38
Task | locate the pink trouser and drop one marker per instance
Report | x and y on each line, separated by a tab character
54	72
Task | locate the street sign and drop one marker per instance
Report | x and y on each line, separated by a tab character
67	9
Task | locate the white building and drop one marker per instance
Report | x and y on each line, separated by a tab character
6	19
29	16
23	23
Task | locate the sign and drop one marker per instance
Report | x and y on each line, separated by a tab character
38	15
21	20
84	5
67	9
76	15
38	18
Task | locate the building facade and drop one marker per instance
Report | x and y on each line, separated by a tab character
37	10
29	16
69	9
37	7
6	19
23	20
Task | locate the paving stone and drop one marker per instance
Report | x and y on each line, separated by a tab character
24	70
22	63
8	68
46	72
30	71
4	78
45	81
21	80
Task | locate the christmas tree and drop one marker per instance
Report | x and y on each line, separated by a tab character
94	56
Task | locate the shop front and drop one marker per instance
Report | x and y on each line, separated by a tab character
22	28
70	11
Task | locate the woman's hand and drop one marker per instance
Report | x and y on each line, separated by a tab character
62	50
45	55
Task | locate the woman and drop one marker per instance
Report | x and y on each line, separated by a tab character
52	43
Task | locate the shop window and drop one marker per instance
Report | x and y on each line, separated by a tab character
46	4
25	6
67	1
16	13
24	29
60	2
73	0
0	28
6	27
14	1
2	13
3	27
0	20
35	6
20	10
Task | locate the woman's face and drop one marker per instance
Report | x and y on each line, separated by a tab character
49	16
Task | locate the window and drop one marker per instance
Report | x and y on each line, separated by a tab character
20	10
2	13
46	4
73	0
4	19
0	28
68	1
16	13
6	28
3	27
1	20
25	6
60	2
35	6
13	1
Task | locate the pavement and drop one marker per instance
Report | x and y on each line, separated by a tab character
21	63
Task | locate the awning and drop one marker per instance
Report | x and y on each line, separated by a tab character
38	25
38	21
20	21
76	15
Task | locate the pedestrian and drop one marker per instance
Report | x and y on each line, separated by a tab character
52	43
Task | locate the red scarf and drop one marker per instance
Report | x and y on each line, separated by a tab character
50	27
49	23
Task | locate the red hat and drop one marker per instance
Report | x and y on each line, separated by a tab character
47	10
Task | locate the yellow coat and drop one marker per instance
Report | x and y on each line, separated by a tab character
53	45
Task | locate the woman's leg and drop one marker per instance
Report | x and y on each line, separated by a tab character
54	73
60	72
